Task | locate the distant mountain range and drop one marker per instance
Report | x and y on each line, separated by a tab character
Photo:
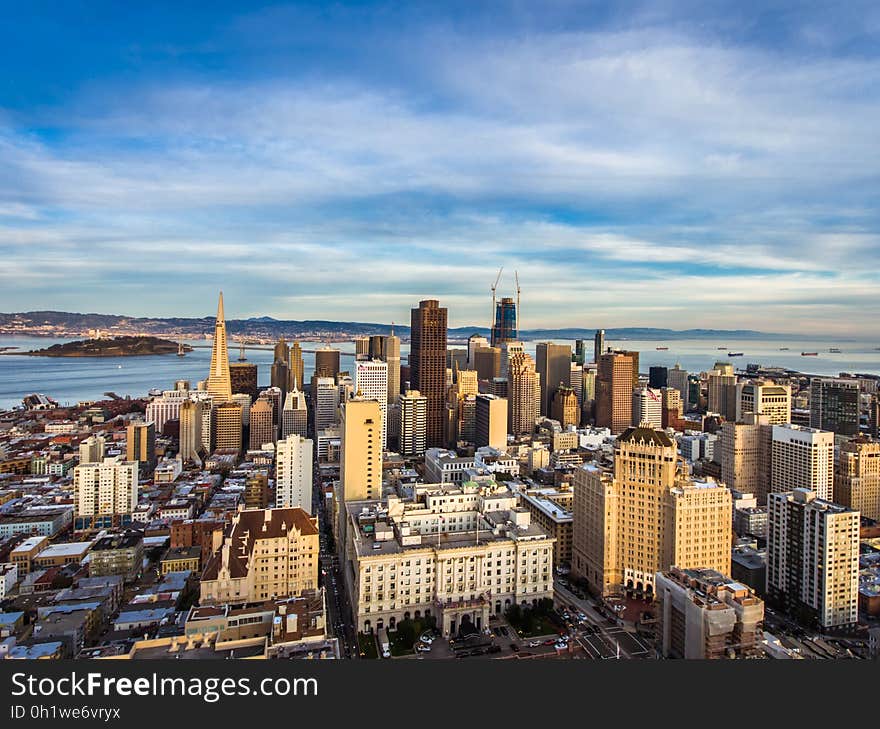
56	323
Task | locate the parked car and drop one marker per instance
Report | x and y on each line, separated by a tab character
534	643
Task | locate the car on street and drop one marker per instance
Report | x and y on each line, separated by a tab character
534	643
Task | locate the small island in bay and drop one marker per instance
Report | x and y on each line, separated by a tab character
115	347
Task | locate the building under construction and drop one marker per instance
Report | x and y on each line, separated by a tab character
504	326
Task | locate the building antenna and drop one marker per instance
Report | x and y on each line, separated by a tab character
516	276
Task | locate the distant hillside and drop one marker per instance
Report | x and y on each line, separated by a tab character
113	347
53	323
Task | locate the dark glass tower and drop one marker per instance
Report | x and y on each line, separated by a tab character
504	328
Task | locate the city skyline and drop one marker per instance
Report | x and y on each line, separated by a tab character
665	165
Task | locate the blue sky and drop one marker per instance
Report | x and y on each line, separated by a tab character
681	164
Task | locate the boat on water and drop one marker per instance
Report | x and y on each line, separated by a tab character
809	354
734	354
722	347
662	349
783	349
834	350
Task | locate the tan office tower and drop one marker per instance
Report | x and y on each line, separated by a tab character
327	362
361	347
243	376
746	451
678	378
297	369
553	364
140	445
671	408
523	394
475	341
219	383
413	412
256	490
614	392
282	353
636	522
91	450
802	458
857	476
295	414
764	397
104	494
487	362
427	363
634	356
360	460
565	408
191	416
227	427
722	394
813	558
262	430
490	421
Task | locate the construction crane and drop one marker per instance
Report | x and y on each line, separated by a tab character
495	286
518	314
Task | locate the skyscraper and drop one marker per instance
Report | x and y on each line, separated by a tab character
91	450
227	426
140	445
325	396
746	450
327	362
191	416
293	473
371	383
598	345
487	362
475	341
104	494
678	378
243	376
387	349
647	407
523	394
722	393
280	375
361	347
282	353
764	397
504	327
262	429
834	405
360	460
857	477
297	369
490	421
813	557
553	364
413	413
219	383
657	377
565	408
427	361
580	352
614	392
802	457
294	414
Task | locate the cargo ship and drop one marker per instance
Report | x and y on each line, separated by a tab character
809	354
734	354
662	349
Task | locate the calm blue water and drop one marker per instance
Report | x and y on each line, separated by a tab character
69	380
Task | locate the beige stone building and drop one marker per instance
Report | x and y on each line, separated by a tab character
614	388
360	468
228	426
646	517
764	397
266	554
745	455
457	553
802	458
551	511
565	408
523	394
857	477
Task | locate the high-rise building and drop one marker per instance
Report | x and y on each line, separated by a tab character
657	377
834	405
580	352
634	356
504	327
91	450
371	383
647	407
487	362
362	348
874	417
219	383
553	364
327	362
746	450
227	427
802	458
387	349
671	414
523	394
266	554
576	382
475	341
707	615
490	421
104	494
360	466
191	417
262	429
294	456
281	353
256	490
140	444
722	393
565	408
508	349
280	373
297	368
325	395
764	397
161	410
427	361
678	378
614	392
294	414
243	376
646	517
413	414
857	477
245	402
598	345
813	558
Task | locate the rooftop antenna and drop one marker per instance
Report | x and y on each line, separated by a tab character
495	286
516	276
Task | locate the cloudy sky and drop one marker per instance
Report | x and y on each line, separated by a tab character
660	163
